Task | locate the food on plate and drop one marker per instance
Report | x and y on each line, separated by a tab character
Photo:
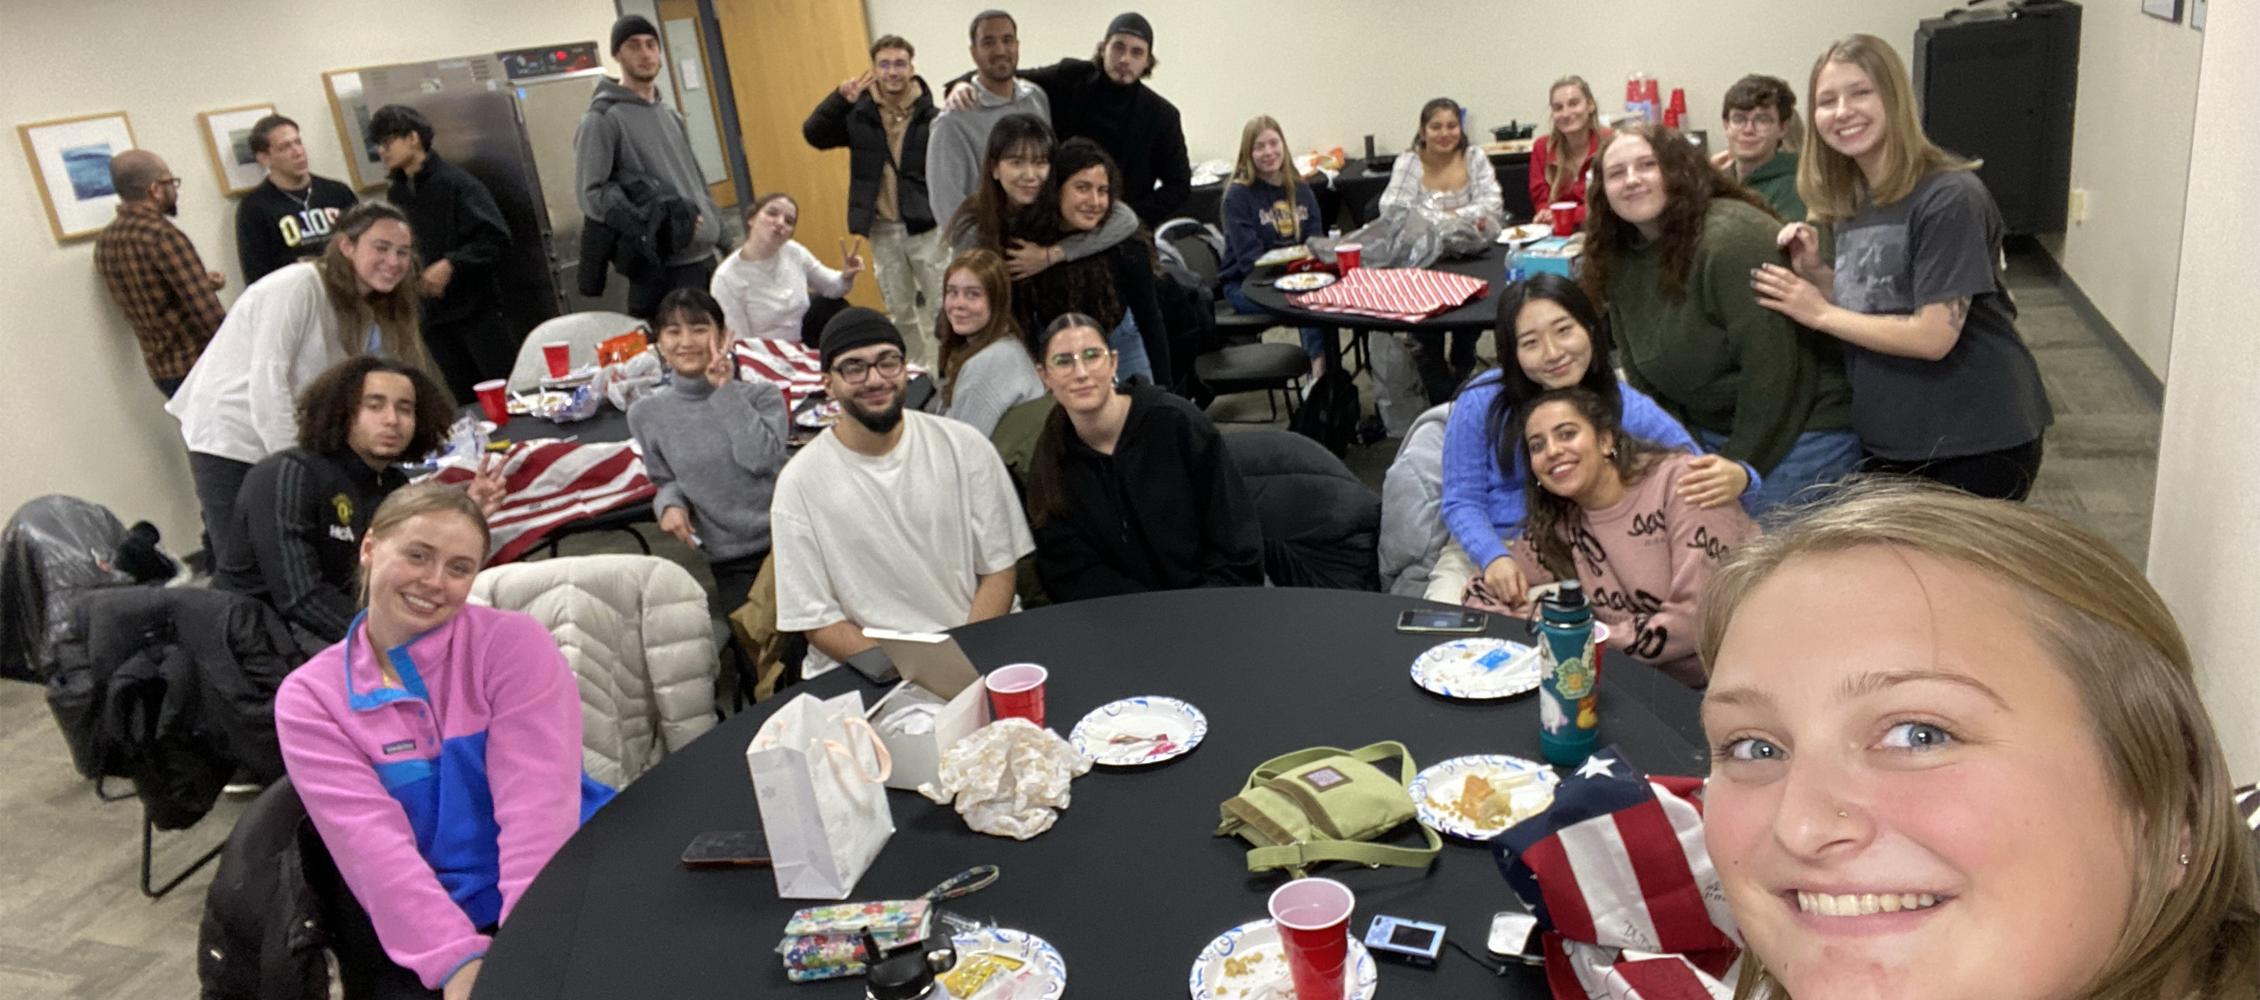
975	971
1304	282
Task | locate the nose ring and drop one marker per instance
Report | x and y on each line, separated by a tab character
1840	814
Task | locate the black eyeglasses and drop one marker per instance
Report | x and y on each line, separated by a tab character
854	370
1089	357
171	182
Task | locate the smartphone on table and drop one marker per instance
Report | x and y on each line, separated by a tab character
727	849
1443	621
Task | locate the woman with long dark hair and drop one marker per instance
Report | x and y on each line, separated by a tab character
1669	249
1129	488
1443	175
999	215
1558	341
1606	510
237	405
1943	387
1115	286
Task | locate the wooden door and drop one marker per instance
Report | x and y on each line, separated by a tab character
785	55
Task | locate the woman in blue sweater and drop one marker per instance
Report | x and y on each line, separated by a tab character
1559	340
1266	206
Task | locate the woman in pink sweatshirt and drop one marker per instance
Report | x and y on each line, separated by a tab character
438	752
1605	509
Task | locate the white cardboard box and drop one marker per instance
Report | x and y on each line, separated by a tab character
935	671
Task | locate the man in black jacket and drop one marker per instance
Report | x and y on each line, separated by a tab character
460	236
882	118
305	509
1105	99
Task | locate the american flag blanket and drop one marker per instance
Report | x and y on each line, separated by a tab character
795	368
554	483
1403	294
1618	875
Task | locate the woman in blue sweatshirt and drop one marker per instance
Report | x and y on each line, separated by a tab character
1266	206
1559	340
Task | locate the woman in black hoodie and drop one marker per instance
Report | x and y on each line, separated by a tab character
1130	489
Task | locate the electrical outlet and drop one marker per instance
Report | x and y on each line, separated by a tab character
2078	207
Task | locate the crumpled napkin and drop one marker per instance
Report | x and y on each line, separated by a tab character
1008	779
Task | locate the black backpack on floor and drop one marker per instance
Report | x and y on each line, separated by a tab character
1329	415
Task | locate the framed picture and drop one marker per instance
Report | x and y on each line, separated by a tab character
227	137
352	112
2169	10
70	160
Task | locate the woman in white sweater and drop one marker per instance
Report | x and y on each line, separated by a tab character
238	405
984	362
764	286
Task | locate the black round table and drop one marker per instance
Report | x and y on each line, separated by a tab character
1130	883
1470	320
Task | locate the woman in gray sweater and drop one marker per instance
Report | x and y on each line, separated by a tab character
712	445
985	367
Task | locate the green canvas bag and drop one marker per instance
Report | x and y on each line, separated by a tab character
1323	804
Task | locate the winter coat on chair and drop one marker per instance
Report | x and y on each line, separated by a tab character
173	687
55	547
1412	506
262	935
636	632
1320	524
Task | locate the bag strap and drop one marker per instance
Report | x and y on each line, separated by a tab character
857	726
1297	857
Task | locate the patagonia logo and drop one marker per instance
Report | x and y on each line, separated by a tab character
1324	778
401	747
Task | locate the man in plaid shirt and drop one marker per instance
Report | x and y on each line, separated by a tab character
153	271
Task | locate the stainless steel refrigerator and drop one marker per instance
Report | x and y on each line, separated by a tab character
508	119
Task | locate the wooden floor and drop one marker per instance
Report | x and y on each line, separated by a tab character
74	925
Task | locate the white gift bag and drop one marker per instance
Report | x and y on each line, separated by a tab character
819	773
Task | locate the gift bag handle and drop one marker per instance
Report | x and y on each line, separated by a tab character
857	726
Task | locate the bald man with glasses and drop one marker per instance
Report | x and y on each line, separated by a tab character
153	271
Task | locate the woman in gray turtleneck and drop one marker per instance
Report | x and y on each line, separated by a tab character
712	445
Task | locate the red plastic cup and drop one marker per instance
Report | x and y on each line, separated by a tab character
494	400
1678	100
559	356
1348	255
1016	691
1565	217
1313	916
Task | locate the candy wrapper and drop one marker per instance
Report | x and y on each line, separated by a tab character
1008	779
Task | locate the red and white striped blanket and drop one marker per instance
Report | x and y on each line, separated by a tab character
1403	294
553	483
795	368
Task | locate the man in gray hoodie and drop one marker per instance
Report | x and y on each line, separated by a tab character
628	131
959	139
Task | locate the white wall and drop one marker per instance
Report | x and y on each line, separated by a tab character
2138	89
1332	71
78	412
2204	541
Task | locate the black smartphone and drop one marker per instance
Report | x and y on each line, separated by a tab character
1451	621
727	849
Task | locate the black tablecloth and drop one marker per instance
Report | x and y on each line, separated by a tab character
1130	884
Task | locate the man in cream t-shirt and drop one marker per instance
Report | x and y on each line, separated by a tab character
891	519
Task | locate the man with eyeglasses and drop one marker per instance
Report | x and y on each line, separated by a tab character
1761	141
890	519
153	271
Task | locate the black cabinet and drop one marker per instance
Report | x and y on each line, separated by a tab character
2000	85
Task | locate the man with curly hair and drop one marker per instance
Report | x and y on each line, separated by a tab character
305	509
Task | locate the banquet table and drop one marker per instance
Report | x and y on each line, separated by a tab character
1479	314
1130	884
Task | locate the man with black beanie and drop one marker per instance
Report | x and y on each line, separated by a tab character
629	133
891	519
1105	99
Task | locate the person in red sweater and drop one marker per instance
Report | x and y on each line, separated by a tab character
1562	160
1605	510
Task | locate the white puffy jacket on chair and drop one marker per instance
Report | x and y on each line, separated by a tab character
636	632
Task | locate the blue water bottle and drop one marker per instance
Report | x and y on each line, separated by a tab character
1569	722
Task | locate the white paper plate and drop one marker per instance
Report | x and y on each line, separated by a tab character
1241	962
1036	955
1304	281
1282	255
1181	725
1478	668
1528	232
1437	788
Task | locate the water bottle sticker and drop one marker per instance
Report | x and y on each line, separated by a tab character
1574	677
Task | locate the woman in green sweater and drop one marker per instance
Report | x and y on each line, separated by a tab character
1669	248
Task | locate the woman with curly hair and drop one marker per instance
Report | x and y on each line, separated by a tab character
1669	249
1607	510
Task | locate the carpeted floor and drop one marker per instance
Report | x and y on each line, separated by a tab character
74	925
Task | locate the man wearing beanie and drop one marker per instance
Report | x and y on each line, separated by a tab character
629	133
891	519
1105	99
